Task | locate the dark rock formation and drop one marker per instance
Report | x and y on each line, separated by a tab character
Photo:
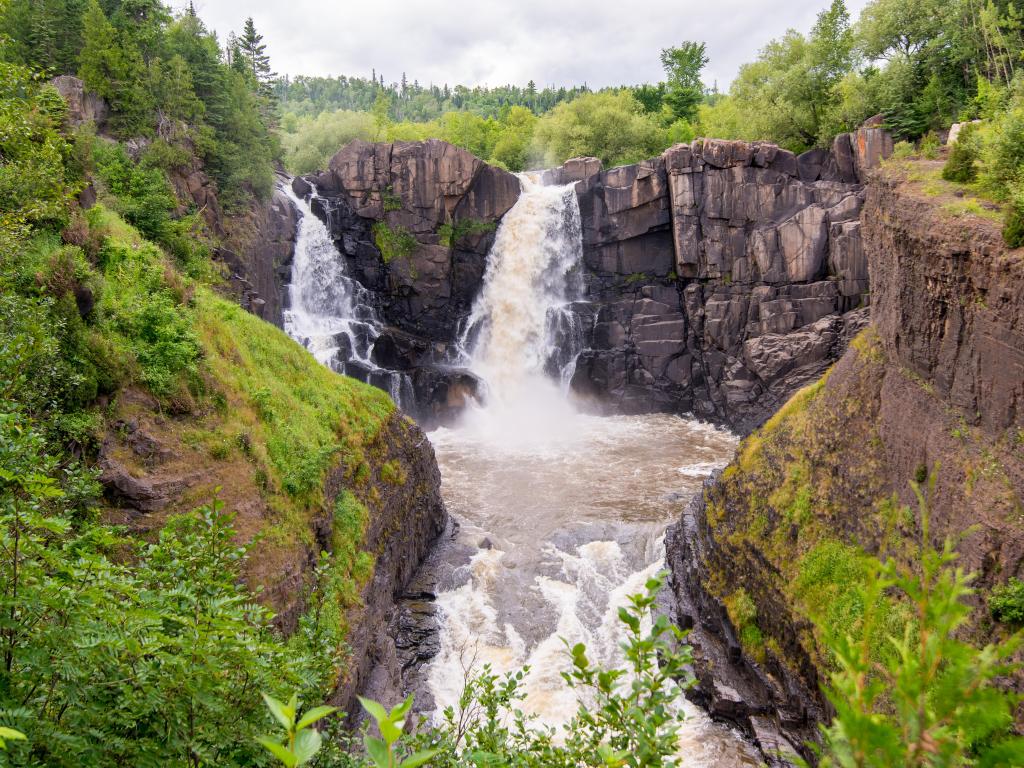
416	188
404	524
726	274
935	384
258	250
720	276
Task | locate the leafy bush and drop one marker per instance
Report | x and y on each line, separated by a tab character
393	242
1006	602
1003	153
934	700
452	232
961	166
903	150
929	146
1013	218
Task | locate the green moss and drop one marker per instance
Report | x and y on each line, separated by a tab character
453	232
393	473
393	242
392	202
743	615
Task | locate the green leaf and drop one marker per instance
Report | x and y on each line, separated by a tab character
307	744
377	750
279	711
316	713
376	711
391	730
418	758
279	751
402	709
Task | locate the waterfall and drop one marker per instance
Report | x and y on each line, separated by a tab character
330	313
523	335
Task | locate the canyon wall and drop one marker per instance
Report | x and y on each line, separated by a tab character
935	386
720	276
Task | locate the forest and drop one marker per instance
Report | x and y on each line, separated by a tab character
126	650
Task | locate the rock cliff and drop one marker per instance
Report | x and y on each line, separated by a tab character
720	276
934	386
724	274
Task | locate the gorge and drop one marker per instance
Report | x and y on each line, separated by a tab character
515	316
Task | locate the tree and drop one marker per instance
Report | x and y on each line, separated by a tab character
684	90
609	125
113	68
254	52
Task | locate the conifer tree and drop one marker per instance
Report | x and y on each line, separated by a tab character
254	51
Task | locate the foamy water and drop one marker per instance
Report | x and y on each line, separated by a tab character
566	512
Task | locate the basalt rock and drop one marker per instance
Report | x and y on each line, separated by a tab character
934	386
443	200
726	273
719	276
83	106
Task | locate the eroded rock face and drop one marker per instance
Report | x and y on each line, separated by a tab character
719	276
726	274
415	188
934	387
83	106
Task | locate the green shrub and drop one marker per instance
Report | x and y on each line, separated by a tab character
902	150
933	701
1013	217
929	146
393	242
1003	153
961	165
1006	603
452	232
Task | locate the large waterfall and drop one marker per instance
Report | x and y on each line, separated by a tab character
331	314
523	335
562	514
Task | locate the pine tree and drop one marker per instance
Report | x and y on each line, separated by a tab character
254	51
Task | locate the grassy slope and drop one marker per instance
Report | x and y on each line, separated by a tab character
261	421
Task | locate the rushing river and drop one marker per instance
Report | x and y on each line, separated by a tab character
566	512
561	514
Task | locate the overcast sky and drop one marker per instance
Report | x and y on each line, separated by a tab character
482	42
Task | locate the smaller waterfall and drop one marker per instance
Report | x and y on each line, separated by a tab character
330	313
523	335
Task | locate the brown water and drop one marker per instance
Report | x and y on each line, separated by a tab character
566	513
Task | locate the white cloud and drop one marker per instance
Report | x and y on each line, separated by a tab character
562	42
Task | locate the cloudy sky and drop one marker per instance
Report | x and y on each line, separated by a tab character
562	42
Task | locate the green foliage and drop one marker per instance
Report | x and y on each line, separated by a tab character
301	740
1006	603
1013	221
933	700
683	90
106	663
384	752
611	126
451	233
903	150
961	165
305	96
393	242
1003	153
795	89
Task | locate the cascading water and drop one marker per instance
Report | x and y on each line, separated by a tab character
330	313
564	512
523	335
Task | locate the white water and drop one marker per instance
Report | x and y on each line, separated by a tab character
330	313
565	511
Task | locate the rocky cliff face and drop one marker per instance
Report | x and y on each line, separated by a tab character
720	276
935	385
725	275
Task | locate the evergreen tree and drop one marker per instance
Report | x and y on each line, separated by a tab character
113	68
254	52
